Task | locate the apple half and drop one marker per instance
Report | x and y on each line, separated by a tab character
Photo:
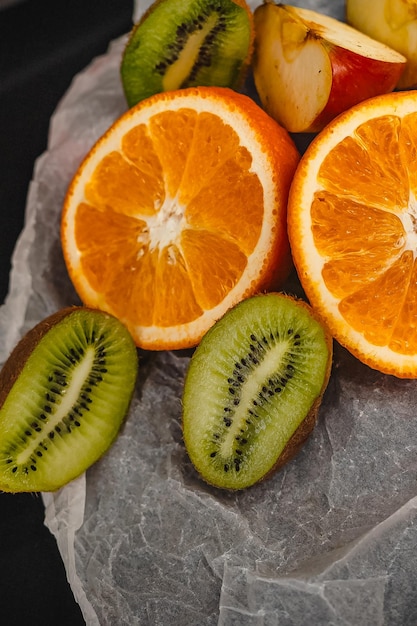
309	67
394	22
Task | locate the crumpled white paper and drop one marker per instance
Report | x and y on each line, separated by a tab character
329	540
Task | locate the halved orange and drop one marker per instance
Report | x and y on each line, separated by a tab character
178	212
352	219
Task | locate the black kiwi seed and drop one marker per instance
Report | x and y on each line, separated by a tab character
70	378
186	44
274	357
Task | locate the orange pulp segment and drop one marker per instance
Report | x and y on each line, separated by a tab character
353	230
179	212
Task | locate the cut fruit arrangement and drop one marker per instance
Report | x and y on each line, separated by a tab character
176	221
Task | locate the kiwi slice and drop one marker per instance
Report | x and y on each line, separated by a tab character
64	392
253	389
180	43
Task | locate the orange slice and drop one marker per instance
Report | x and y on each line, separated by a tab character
353	230
178	212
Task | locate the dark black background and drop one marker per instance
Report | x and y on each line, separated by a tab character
43	44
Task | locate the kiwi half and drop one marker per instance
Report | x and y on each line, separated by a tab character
253	389
64	392
187	43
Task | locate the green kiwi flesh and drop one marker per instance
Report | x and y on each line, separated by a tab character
253	389
180	43
64	393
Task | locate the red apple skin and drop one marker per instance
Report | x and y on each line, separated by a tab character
345	67
355	78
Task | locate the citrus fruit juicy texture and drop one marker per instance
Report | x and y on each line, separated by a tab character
352	219
178	212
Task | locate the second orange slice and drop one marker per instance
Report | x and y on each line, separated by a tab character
352	219
178	212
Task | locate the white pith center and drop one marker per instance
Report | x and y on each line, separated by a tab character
164	228
69	399
409	222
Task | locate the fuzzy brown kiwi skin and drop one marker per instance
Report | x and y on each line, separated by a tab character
302	433
21	352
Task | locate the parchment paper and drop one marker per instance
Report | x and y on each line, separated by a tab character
329	540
